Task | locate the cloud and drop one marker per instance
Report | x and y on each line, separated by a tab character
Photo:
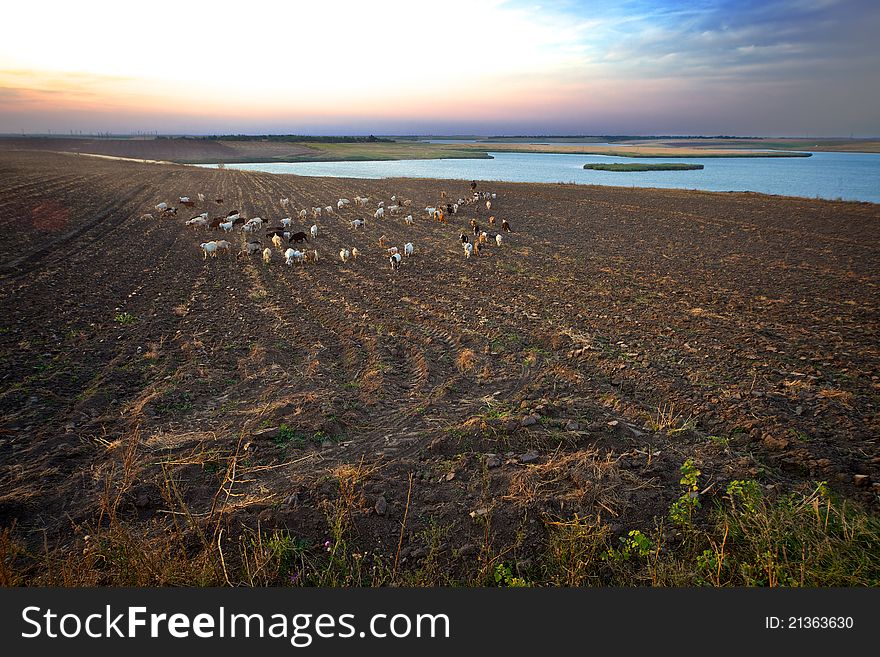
563	62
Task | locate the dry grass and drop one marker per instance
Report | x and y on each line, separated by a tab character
465	360
667	420
840	396
582	481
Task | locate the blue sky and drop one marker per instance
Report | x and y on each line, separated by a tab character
788	67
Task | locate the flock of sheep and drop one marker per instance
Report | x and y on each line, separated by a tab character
282	236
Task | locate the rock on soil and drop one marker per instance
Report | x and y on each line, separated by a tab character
381	506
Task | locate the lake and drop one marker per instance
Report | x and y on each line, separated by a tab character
848	176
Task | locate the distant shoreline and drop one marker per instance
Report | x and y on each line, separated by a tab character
183	150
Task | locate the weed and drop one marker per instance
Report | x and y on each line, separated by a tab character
635	543
175	403
124	318
504	577
682	510
286	435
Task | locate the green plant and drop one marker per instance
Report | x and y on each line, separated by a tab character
682	510
744	494
286	435
124	318
504	577
174	402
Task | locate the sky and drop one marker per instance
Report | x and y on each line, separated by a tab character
483	67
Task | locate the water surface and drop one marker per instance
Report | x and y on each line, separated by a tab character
847	176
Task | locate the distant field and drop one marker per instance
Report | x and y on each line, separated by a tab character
184	151
667	166
833	145
207	151
402	150
625	150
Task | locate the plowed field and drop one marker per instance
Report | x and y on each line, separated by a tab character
572	370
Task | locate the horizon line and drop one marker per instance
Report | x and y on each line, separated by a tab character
215	135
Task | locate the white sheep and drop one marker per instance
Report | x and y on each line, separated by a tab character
267	255
498	239
316	212
355	253
393	209
204	215
344	255
314	231
361	200
209	247
233	217
197	221
285	202
248	228
161	207
392	250
252	247
408	220
408	249
256	221
358	223
147	216
201	197
227	226
395	261
183	199
223	245
286	222
277	241
328	209
488	205
379	213
303	214
292	254
430	210
468	249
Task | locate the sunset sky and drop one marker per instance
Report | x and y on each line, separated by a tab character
787	67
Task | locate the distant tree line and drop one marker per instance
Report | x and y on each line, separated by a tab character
618	137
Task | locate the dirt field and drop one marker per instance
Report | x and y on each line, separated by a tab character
208	151
205	151
821	144
173	150
569	373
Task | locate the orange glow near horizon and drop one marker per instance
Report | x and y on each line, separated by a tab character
295	66
278	60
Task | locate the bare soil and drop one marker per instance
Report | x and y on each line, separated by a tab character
636	327
171	149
